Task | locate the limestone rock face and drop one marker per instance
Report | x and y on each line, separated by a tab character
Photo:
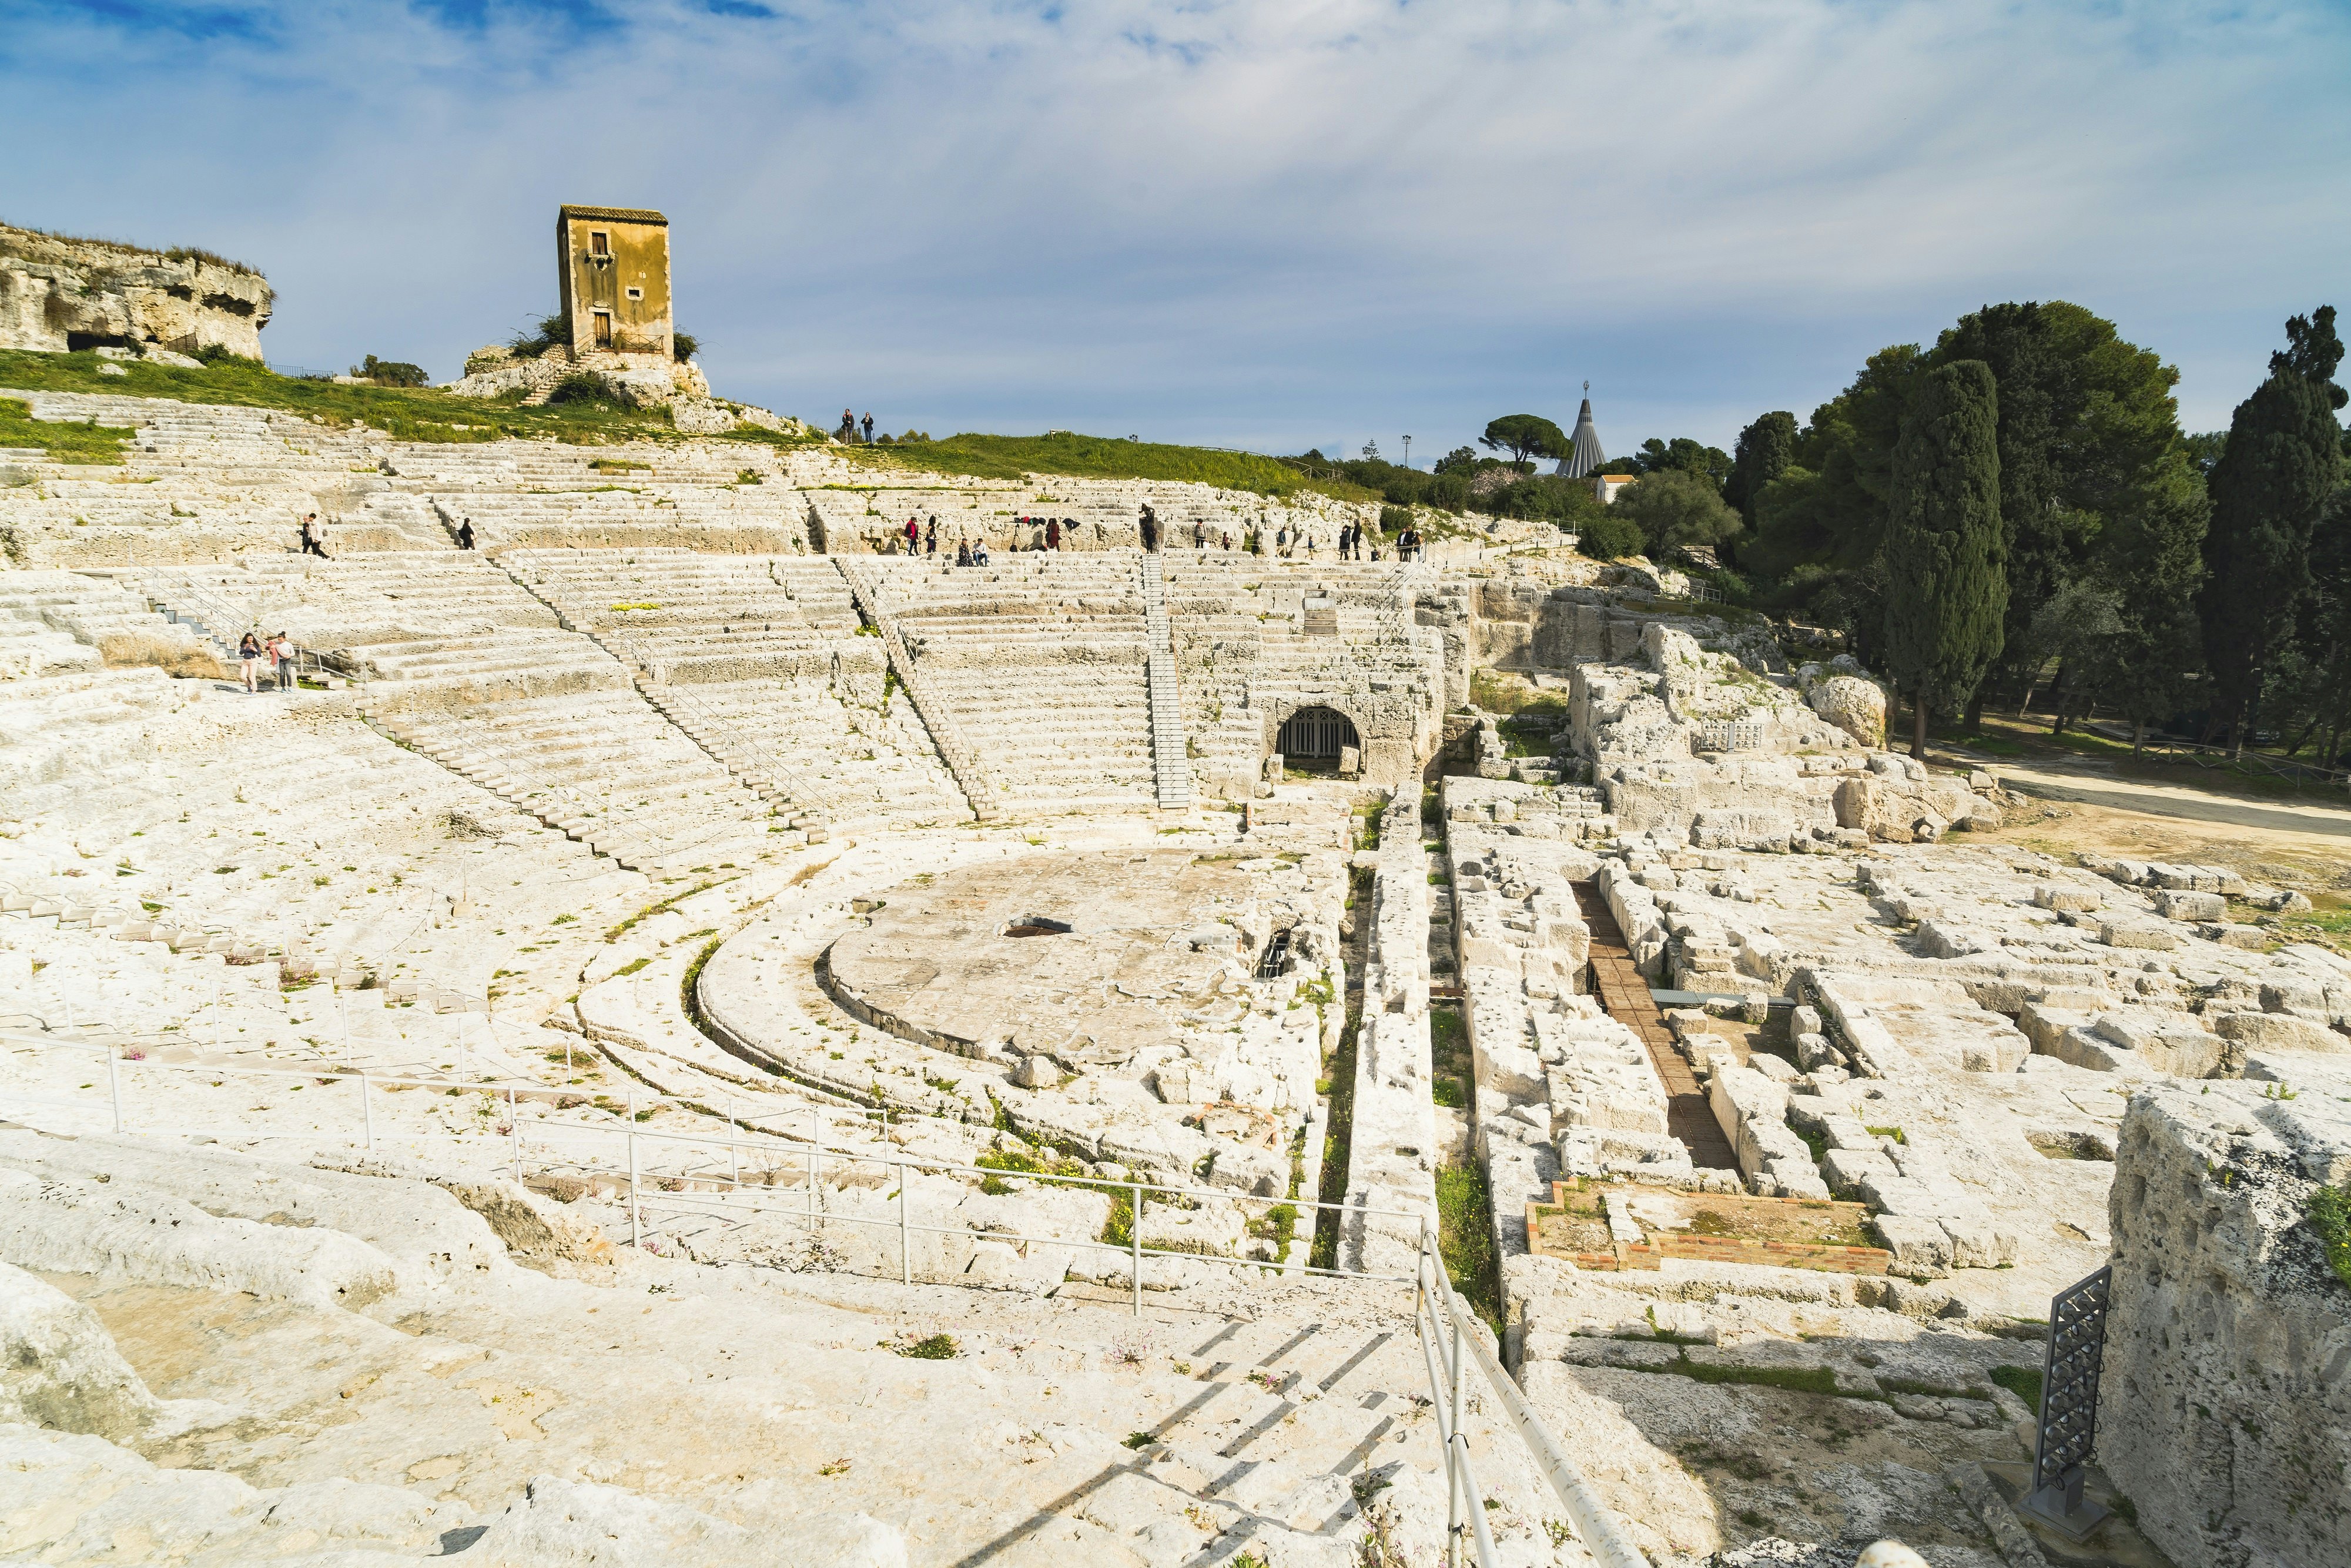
562	1521
2223	1412
55	290
637	380
59	1367
1855	705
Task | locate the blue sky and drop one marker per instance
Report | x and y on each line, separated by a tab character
1266	225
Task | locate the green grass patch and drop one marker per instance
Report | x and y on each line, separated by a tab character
2025	1382
1465	1236
1340	1072
64	441
930	1347
1504	694
2330	1217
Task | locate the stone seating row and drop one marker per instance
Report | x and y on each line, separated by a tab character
1054	736
850	765
605	768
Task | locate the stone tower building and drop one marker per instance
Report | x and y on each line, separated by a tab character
614	262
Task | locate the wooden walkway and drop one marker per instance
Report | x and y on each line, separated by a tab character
1626	995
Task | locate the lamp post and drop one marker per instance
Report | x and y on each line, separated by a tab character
1407	451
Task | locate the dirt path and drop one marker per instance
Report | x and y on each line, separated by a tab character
2098	783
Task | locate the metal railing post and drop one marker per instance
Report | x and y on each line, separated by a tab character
1134	1235
1453	1455
635	1214
906	1243
514	1126
367	1112
114	1084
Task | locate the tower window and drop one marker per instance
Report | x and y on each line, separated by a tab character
636	294
599	242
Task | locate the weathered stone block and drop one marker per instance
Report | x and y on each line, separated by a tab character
2277	1031
1921	1247
2190	905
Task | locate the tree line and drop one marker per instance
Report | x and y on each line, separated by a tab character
2016	512
2018	506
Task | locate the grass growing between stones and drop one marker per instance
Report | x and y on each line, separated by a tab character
1465	1236
1448	1049
89	442
1339	1073
2025	1382
2330	1217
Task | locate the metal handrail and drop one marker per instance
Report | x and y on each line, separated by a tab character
1445	1315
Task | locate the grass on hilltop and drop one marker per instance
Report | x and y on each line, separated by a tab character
1098	457
430	416
418	413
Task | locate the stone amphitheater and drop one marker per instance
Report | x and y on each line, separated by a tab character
988	1047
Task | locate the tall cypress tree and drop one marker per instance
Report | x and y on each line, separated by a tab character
2275	480
1947	583
1765	450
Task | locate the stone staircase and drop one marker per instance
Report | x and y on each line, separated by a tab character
1171	767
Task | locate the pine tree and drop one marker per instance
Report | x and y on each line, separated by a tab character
2086	419
1947	588
2275	478
2151	554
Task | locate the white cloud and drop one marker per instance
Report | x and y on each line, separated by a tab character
1272	224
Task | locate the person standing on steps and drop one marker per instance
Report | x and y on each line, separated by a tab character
248	658
1052	533
913	537
313	542
869	429
1149	526
281	648
464	533
931	539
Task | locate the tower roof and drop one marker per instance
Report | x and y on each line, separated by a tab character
1584	453
615	215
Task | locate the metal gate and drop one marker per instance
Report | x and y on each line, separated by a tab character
2069	1404
1317	732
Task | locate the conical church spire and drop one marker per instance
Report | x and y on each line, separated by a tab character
1584	453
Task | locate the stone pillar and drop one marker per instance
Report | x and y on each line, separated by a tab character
2224	1405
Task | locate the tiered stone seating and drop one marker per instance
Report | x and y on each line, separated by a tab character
605	768
687	617
846	765
55	620
1040	660
630	516
441	623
